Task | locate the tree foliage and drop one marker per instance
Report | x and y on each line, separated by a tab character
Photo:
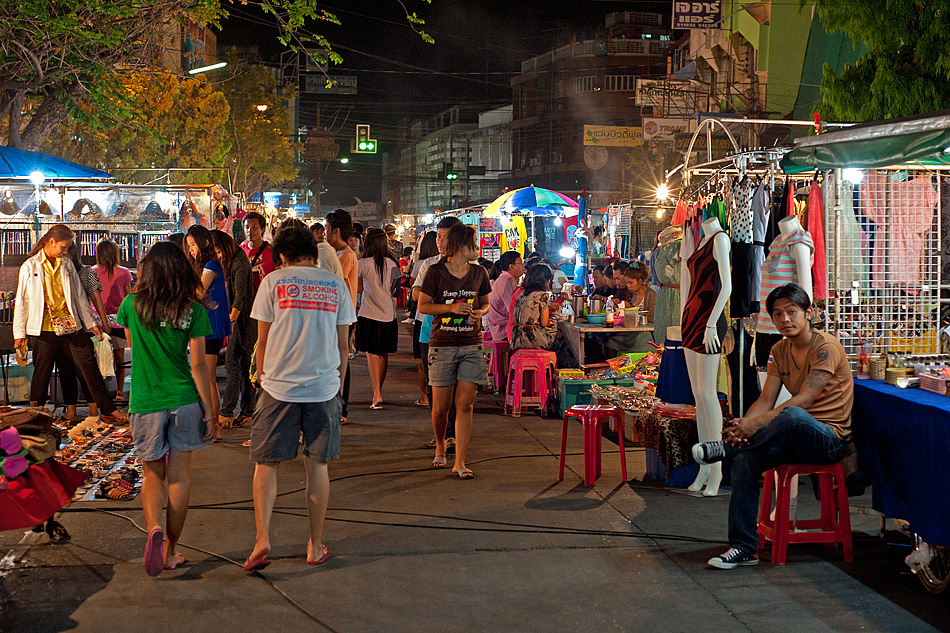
906	70
262	154
170	123
55	55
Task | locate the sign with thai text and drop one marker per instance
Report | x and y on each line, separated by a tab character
613	135
697	15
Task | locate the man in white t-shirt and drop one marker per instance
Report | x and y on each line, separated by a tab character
303	316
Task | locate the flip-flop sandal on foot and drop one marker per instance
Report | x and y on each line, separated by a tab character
376	406
325	554
466	473
179	561
154	559
438	461
256	564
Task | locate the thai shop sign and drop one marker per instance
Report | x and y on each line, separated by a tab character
668	98
330	84
664	129
613	135
697	15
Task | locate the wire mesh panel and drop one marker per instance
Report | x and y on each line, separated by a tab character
883	245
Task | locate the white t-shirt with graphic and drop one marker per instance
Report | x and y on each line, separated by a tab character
304	306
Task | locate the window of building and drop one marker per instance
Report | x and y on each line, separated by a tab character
584	84
620	83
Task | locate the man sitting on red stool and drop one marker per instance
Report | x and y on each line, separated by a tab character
813	427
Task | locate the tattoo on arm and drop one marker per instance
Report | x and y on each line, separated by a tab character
822	356
817	379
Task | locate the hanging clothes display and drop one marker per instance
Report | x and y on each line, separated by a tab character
780	269
679	214
743	252
816	227
778	212
704	287
899	246
850	265
761	216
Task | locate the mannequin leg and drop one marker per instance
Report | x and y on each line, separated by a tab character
703	370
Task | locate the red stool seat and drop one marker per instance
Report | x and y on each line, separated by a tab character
499	353
535	366
835	521
592	416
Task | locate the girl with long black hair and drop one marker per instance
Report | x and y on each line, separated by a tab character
204	261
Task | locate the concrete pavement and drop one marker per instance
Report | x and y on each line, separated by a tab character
414	549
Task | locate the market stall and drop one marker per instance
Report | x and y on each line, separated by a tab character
884	206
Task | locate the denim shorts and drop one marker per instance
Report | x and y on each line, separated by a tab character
276	428
449	365
180	429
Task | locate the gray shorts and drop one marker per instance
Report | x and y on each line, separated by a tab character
180	429
449	365
276	428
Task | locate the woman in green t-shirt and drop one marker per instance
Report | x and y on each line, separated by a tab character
170	401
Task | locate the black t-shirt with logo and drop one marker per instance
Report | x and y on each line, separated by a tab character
455	330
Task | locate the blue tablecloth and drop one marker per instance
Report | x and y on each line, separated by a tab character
903	437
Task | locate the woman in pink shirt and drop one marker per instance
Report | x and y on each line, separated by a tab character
512	267
116	285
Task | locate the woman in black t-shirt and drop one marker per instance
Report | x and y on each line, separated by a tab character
455	292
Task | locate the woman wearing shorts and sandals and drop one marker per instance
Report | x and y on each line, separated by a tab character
455	292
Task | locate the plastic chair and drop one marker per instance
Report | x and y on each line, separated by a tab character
535	365
834	524
592	416
498	356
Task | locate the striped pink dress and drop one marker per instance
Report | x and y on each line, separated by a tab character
779	269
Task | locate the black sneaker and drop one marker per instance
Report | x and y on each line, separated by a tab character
734	557
709	452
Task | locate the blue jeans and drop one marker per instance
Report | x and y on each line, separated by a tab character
792	437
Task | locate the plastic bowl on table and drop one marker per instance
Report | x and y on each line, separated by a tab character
597	318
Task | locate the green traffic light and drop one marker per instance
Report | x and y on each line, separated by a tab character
363	144
451	176
370	146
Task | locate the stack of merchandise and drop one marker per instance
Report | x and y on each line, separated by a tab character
107	455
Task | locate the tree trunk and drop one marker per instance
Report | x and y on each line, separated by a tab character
50	114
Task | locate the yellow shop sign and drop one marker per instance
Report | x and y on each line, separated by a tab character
613	136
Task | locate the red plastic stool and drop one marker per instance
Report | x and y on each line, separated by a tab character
835	523
538	366
499	353
591	417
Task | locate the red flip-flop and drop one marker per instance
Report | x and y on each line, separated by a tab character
322	559
154	558
257	563
179	561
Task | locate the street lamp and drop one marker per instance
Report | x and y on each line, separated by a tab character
344	160
261	108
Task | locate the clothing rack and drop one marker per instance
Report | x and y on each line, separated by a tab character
754	162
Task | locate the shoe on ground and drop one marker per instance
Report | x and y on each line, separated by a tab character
732	558
709	452
449	445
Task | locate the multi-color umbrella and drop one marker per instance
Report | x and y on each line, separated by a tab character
536	200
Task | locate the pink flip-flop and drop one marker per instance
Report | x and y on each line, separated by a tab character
179	561
256	564
154	558
322	559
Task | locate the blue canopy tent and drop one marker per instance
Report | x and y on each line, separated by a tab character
18	164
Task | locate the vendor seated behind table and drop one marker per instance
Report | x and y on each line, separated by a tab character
534	324
640	294
617	269
813	427
602	282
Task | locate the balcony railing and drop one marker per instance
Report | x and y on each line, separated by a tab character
614	47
